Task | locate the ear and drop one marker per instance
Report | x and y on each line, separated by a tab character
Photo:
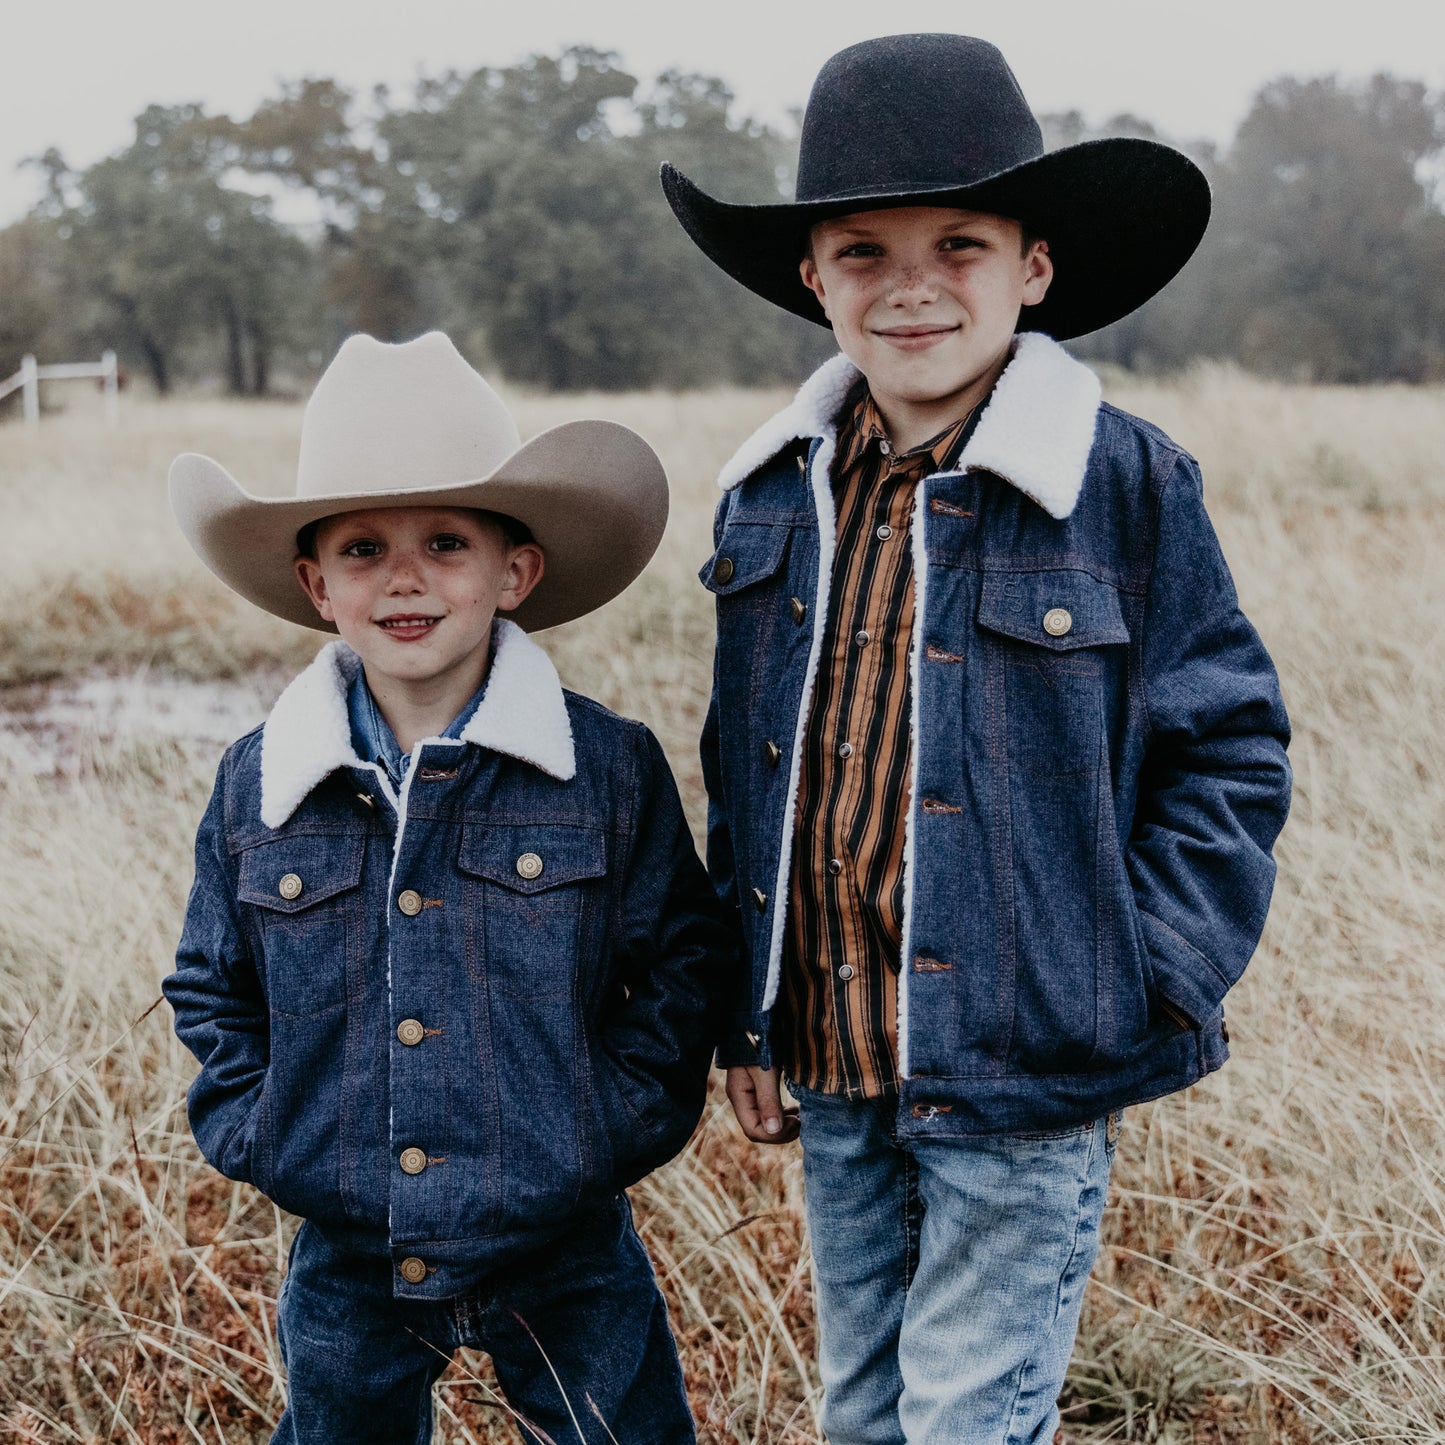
1038	273
808	270
313	584
525	566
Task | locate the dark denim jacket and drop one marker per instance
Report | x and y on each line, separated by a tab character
539	911
1099	768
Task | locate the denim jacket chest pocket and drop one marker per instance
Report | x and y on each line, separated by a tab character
533	895
305	901
1052	639
748	575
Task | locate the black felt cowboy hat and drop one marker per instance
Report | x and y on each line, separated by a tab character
939	120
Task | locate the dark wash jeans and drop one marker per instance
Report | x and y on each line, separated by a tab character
578	1335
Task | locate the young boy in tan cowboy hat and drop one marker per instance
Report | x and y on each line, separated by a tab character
449	954
995	763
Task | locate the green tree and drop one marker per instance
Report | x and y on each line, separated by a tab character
174	253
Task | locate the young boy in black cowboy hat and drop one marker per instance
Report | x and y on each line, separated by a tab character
995	762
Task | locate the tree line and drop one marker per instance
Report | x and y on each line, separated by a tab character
518	208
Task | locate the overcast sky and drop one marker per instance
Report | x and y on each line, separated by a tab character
74	73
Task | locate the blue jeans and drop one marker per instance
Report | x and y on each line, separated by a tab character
578	1336
949	1273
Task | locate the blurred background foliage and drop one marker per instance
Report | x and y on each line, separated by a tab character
518	208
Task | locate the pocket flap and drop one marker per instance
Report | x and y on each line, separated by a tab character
532	859
1060	610
289	875
749	553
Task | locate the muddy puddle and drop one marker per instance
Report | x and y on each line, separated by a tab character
47	727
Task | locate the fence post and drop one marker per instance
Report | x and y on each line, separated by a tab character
110	381
30	389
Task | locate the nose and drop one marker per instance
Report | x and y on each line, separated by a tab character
911	286
405	575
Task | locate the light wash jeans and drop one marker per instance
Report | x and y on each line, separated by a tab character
949	1273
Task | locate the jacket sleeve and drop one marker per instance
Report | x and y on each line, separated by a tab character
674	956
219	1007
734	1046
1215	782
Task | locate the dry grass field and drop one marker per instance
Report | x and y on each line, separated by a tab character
1274	1258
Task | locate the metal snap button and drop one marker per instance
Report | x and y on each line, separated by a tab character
835	866
845	750
409	901
799	609
529	865
410	1031
862	637
845	971
413	1161
886	447
289	886
773	753
884	532
761	899
722	571
1057	621
412	1269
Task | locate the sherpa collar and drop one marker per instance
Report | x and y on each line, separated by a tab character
1035	432
308	735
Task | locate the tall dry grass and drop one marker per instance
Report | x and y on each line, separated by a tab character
1274	1258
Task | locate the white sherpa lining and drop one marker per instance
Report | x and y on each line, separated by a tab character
308	735
819	473
1035	433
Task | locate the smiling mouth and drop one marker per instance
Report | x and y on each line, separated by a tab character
913	336
408	628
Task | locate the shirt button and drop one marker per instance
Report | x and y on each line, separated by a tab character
773	753
886	447
410	1031
289	886
413	1161
835	866
761	899
529	866
722	572
412	1269
845	971
845	750
799	610
409	902
884	532
862	637
1057	621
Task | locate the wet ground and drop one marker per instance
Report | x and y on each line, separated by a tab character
45	727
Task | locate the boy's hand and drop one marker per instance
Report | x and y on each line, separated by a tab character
757	1102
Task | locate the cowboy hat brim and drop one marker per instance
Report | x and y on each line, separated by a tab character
1121	217
592	493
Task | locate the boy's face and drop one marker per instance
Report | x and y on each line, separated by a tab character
924	300
413	590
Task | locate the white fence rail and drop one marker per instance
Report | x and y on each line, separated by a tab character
27	382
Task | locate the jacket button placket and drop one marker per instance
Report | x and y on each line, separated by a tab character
421	930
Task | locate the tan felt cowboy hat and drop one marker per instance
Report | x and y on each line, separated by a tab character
413	425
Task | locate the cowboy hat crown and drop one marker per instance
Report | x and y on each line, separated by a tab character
939	120
413	425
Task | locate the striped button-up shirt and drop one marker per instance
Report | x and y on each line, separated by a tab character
838	1009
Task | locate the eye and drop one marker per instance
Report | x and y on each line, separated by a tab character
961	243
448	542
361	547
861	249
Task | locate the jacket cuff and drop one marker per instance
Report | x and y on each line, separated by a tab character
1184	978
740	1046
